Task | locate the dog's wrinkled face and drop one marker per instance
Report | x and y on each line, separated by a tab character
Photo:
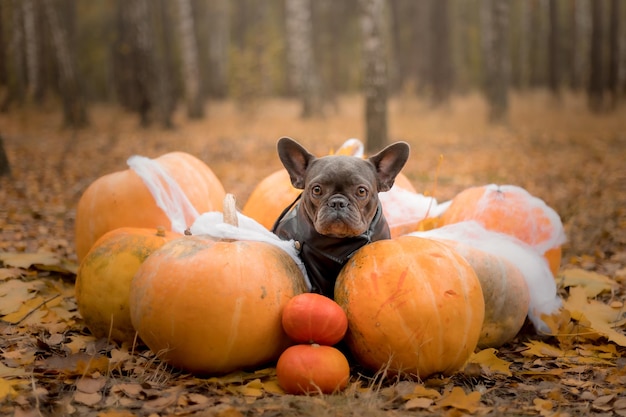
340	194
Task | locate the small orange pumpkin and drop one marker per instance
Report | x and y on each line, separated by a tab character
512	210
313	318
104	276
121	199
310	369
414	305
214	306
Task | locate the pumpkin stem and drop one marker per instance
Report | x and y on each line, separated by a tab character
160	231
230	210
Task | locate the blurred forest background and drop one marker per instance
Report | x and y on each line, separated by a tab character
152	56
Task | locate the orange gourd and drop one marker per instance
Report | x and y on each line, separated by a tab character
309	369
414	305
104	276
512	210
121	199
313	318
270	197
213	306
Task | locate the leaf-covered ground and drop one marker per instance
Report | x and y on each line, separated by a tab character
576	162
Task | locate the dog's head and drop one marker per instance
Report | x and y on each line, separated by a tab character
340	193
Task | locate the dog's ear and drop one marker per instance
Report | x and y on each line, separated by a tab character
388	163
296	160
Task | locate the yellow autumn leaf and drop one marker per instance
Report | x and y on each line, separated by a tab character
416	403
487	359
14	293
542	350
26	260
272	387
6	371
457	398
420	391
6	390
592	282
25	309
600	317
544	407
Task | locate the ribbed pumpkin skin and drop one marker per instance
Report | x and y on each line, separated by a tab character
505	293
413	305
309	369
121	199
511	210
270	197
103	280
314	318
212	307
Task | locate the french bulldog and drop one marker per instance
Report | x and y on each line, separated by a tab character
338	210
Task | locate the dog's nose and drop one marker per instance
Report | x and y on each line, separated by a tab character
338	202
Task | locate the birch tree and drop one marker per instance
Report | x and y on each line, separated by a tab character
301	57
219	42
375	72
74	107
190	63
495	57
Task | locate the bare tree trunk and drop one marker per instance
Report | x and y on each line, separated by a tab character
301	57
17	81
375	72
191	66
537	40
31	41
597	83
219	41
554	50
614	86
74	108
5	167
143	56
440	52
166	101
496	58
523	67
4	77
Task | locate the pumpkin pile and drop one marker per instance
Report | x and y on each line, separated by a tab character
417	304
313	365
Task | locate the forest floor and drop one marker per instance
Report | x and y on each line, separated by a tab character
558	151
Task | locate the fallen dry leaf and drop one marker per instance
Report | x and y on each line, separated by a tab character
597	315
26	260
592	282
490	363
457	398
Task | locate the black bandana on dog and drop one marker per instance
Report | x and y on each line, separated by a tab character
324	256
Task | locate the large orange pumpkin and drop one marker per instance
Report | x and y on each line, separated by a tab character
414	305
122	199
104	276
214	306
310	369
505	293
512	210
314	318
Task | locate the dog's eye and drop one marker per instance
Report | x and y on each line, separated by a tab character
361	192
316	190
